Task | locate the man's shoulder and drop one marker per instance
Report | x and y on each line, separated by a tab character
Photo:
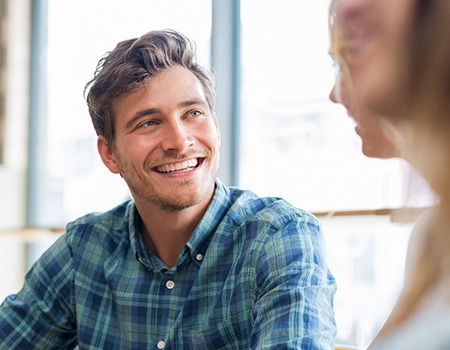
271	223
110	224
276	210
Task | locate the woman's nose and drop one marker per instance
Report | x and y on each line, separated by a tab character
332	96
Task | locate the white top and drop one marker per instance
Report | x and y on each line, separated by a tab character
428	328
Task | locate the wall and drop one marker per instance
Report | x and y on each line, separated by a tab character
15	31
16	28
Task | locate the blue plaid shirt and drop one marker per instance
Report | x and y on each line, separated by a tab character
253	275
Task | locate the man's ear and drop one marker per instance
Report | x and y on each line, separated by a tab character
107	155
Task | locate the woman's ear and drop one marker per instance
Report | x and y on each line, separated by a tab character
107	155
216	122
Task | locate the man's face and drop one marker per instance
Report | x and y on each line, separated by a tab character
167	142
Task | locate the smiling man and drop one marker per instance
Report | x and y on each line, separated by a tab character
187	263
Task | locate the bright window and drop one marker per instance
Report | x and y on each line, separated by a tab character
296	143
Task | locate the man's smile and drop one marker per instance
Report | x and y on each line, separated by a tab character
184	165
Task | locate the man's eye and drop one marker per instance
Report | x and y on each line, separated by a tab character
196	113
148	123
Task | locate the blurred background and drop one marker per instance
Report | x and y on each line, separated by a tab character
280	134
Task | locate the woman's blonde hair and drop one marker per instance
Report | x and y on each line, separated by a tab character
427	95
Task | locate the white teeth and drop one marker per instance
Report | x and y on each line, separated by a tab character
187	164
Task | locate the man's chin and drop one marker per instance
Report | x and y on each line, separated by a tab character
177	200
174	207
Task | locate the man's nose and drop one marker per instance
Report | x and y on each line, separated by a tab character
177	137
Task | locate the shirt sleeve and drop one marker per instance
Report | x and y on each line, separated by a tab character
40	315
294	305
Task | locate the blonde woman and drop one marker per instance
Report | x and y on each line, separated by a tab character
397	56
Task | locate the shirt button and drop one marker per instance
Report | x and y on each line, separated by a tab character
161	344
170	284
199	257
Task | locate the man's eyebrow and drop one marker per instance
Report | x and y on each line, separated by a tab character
140	114
193	101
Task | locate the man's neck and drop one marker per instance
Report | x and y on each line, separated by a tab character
165	233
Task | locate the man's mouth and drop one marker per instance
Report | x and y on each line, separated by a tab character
180	166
